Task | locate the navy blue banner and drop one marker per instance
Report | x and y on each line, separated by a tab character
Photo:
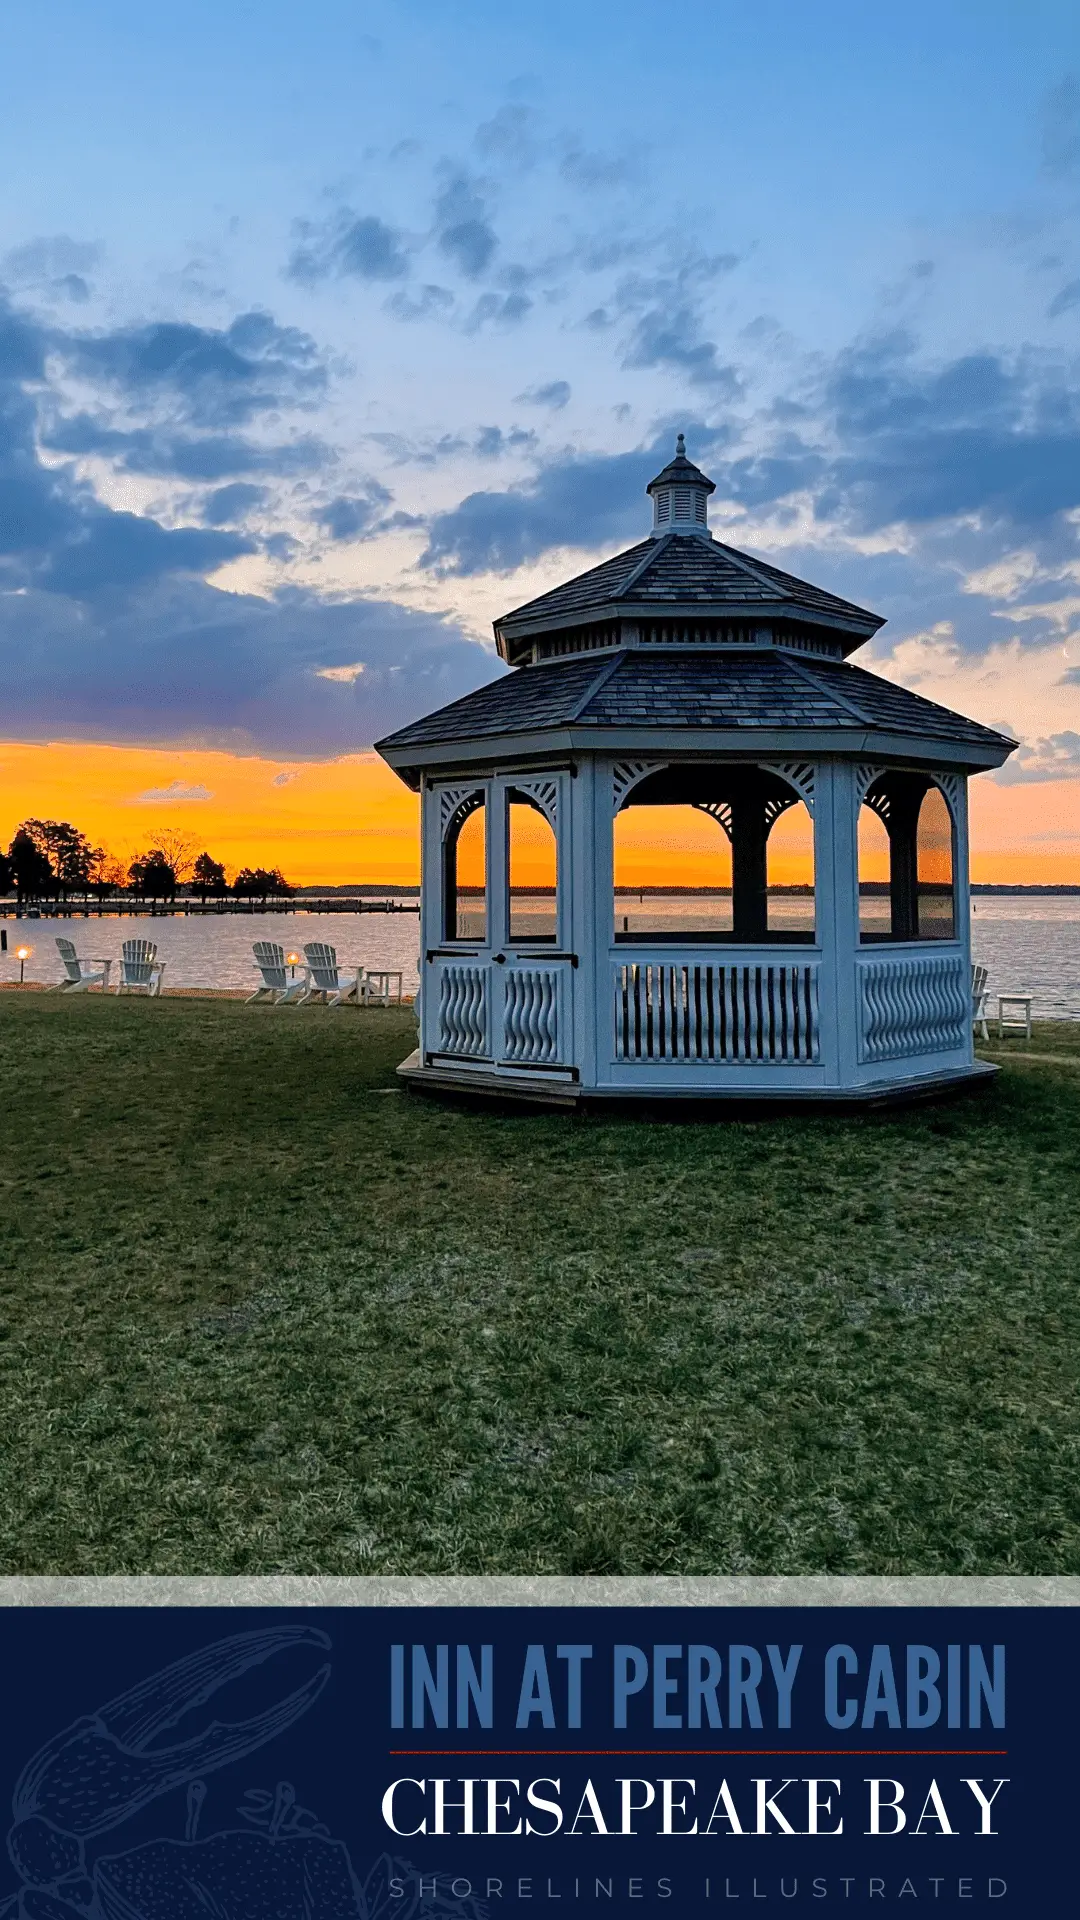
393	1764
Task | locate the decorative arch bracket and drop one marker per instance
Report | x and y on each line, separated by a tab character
544	794
798	774
717	810
627	774
456	804
952	786
865	775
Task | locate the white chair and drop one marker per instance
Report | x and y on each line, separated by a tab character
324	981
270	960
979	1000
81	975
140	968
1014	1014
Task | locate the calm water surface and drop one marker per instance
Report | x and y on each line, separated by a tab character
1030	945
215	951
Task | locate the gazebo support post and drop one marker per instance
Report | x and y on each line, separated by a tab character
749	868
904	865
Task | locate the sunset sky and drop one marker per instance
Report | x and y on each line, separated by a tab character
329	334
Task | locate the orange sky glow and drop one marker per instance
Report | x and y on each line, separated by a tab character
352	820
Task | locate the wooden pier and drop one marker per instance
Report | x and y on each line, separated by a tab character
128	906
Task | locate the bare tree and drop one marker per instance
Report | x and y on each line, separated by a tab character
180	851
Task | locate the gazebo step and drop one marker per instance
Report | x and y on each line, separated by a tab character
447	1078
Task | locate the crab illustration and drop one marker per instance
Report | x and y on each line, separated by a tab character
282	1864
103	1768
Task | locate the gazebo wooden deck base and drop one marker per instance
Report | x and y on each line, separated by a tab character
535	1090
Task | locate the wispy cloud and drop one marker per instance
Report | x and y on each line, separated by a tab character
177	790
466	235
1061	127
554	394
349	244
345	676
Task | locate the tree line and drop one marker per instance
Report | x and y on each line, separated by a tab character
51	860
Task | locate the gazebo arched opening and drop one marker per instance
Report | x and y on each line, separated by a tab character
907	860
465	871
711	851
532	871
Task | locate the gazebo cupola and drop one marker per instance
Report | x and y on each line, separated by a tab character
680	496
685	848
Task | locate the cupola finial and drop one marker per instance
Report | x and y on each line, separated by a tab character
680	447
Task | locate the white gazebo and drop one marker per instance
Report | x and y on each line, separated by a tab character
606	831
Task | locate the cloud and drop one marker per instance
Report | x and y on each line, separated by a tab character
665	339
427	302
176	790
465	233
979	435
978	454
54	532
354	245
510	136
668	325
118	549
282	779
1061	127
346	676
229	504
1065	301
181	455
492	443
347	517
109	629
54	264
175	662
505	309
588	171
210	377
1055	758
575	501
555	394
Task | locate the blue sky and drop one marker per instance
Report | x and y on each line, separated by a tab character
328	334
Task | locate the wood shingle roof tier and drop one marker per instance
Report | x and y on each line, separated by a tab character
722	699
686	574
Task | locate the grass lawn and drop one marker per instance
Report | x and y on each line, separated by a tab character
260	1314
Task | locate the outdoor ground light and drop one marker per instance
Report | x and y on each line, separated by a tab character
22	955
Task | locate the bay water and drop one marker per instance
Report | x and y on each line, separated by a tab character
1030	943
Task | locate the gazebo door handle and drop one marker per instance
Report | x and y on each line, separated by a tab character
499	959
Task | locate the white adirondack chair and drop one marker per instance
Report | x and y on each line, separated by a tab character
140	968
325	982
270	960
81	975
979	999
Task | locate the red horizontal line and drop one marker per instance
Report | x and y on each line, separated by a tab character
696	1753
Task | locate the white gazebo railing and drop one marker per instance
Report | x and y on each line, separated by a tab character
717	1010
913	1004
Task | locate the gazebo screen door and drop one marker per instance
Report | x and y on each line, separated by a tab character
529	898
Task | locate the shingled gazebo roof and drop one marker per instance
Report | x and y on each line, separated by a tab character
682	635
643	688
687	573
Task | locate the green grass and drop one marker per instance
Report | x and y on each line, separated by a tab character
261	1315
